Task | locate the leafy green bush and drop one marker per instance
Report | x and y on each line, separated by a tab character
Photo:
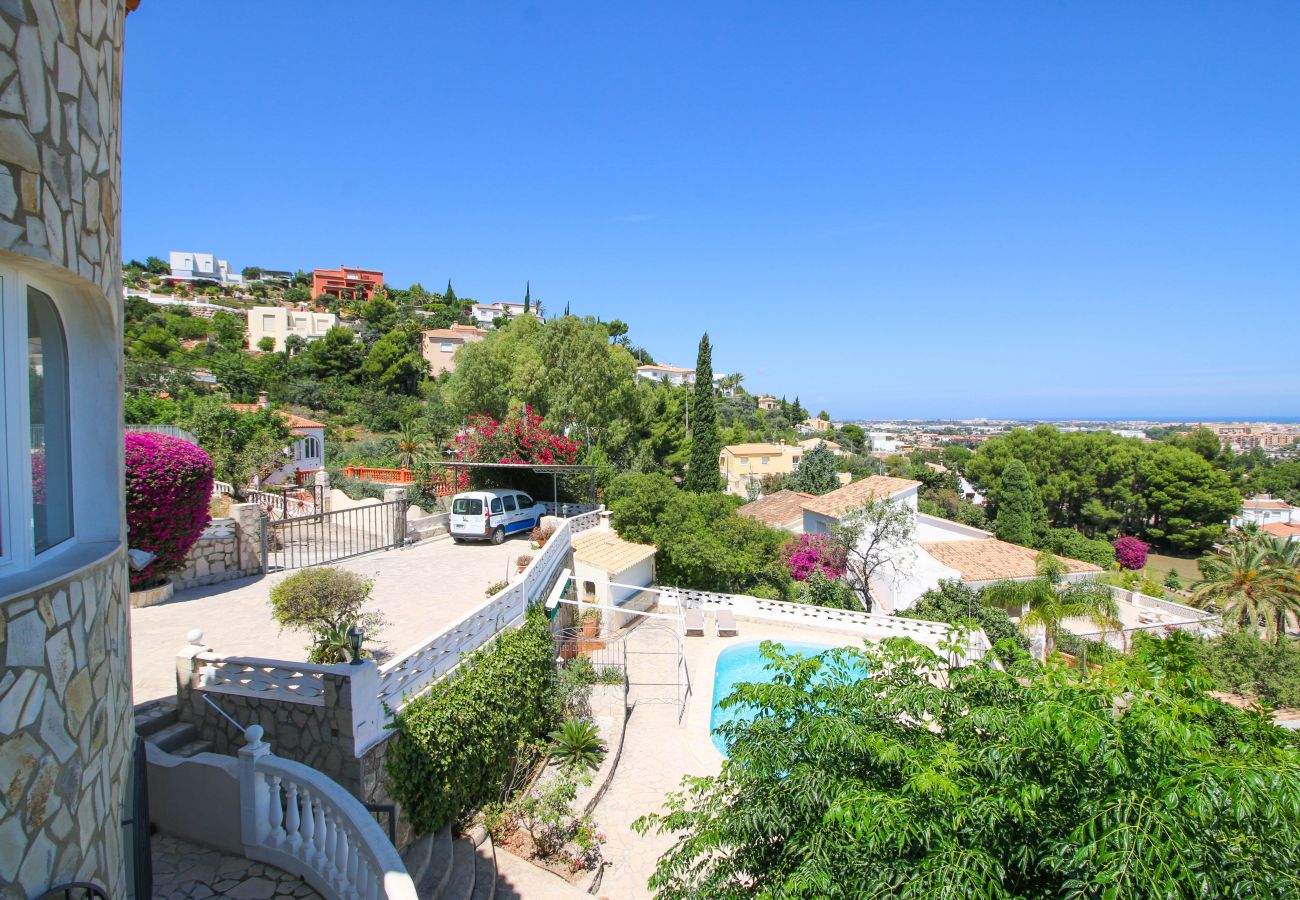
325	602
578	744
954	602
455	744
1075	545
573	683
818	589
1243	664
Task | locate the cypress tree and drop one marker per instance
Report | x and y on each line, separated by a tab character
449	297
528	296
1018	506
706	444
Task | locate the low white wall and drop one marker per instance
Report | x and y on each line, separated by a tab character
196	798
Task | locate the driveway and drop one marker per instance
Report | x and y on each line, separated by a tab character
420	589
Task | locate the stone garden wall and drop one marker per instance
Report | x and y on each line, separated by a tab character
65	733
229	548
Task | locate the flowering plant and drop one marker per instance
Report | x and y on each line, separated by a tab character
1130	553
520	438
168	488
807	553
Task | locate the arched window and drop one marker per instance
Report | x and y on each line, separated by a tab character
50	423
310	448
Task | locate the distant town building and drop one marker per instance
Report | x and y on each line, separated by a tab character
813	443
675	375
817	425
1242	437
346	283
486	313
278	322
188	266
438	346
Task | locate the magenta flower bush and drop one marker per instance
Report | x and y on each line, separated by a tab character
168	488
806	553
1130	553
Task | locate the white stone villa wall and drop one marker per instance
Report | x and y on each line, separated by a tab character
65	686
65	733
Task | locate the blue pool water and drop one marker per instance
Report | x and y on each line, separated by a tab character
744	662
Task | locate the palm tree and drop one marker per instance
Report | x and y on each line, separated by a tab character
1255	584
1046	601
410	446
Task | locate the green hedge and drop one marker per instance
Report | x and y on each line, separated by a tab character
455	745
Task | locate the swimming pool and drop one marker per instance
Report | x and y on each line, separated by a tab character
744	662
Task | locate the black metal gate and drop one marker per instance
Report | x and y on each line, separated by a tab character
315	540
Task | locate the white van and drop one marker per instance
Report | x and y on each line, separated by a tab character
493	513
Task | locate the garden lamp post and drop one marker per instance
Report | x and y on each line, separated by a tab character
356	634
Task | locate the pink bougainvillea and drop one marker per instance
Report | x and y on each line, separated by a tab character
806	553
1130	553
168	488
519	439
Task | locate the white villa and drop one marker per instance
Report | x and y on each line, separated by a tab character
278	323
305	453
1264	510
187	266
485	313
674	375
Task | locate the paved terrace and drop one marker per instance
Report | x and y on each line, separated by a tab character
420	589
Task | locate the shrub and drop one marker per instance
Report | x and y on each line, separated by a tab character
541	534
1130	553
573	683
611	675
325	602
820	590
954	602
804	554
1242	663
168	488
578	744
1075	545
455	745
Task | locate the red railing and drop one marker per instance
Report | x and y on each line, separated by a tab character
443	485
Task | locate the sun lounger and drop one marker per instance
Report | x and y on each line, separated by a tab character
694	623
726	623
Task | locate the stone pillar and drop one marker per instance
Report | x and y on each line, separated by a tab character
399	514
323	484
248	532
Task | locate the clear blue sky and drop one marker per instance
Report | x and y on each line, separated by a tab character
902	209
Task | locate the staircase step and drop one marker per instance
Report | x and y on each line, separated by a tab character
150	718
485	871
461	884
440	863
417	856
193	747
178	734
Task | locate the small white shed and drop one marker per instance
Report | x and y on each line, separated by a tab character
602	560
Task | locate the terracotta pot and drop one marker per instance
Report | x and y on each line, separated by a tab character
591	628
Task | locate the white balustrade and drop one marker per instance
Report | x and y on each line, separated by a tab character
272	678
304	822
414	670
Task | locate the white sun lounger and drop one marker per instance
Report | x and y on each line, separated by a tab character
726	620
694	622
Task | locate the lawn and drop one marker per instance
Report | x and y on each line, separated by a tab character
1185	567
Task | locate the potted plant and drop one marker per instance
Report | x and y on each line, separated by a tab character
590	621
522	562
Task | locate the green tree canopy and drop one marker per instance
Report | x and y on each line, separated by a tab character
984	783
816	472
1018	506
706	444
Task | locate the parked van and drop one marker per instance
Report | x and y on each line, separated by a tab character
493	513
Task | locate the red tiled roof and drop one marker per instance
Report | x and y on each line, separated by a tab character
777	509
1282	530
994	560
291	419
858	494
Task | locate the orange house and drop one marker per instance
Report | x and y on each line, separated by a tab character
345	281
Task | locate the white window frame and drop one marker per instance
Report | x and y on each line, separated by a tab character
18	549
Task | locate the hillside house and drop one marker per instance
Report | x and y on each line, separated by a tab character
305	453
486	313
1264	510
187	266
743	465
438	346
278	322
674	375
346	283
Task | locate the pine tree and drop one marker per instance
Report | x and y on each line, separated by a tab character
449	297
706	444
1018	505
528	296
